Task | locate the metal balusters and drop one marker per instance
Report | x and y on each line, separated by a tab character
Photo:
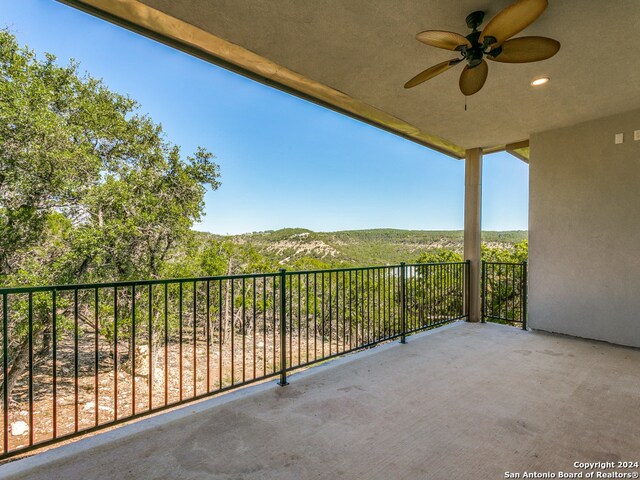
220	333
54	354
166	344
299	316
232	332
115	353
290	291
5	373
96	359
244	330
132	355
504	292
30	322
350	309
150	349
524	295
195	339
264	325
275	322
253	326
344	309
330	317
283	328
322	313
403	303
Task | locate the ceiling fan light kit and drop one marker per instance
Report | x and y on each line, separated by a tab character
493	43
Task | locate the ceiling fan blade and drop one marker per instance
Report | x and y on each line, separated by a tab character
431	72
527	49
513	19
472	79
442	39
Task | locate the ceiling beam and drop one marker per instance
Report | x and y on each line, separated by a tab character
140	18
519	150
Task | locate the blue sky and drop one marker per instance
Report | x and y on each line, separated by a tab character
285	162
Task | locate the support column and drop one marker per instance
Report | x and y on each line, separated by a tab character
472	227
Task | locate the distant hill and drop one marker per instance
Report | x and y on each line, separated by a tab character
361	247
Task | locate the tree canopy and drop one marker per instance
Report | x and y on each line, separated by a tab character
90	188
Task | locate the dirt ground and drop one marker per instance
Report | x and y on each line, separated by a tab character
189	372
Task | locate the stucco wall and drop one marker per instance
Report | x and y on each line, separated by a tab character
584	230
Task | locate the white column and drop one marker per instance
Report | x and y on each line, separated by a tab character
472	227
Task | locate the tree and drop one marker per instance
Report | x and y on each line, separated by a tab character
438	286
517	254
503	287
439	255
90	188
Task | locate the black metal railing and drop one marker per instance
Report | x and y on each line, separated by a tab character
504	293
77	358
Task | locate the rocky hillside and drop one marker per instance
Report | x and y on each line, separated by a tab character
363	247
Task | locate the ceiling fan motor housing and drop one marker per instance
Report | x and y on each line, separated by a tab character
475	19
474	54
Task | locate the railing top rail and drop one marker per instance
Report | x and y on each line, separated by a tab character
130	283
168	281
347	269
504	263
433	263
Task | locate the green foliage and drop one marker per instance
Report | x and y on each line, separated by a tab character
226	257
517	253
504	283
309	263
90	189
293	247
521	251
439	255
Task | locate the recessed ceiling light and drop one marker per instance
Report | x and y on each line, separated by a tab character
539	81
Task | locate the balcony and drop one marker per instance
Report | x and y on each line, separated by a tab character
461	401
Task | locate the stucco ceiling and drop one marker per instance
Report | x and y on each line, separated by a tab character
367	50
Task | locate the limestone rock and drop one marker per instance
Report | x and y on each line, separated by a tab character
19	428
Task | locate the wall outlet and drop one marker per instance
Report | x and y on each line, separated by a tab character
636	135
619	138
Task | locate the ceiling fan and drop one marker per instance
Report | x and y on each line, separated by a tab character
491	43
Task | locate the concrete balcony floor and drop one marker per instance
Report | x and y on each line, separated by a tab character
461	402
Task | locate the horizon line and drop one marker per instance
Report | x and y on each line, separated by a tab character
351	230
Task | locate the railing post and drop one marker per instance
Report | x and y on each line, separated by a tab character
483	292
524	295
467	288
283	328
5	373
403	303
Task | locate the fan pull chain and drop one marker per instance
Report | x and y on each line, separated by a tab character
465	103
